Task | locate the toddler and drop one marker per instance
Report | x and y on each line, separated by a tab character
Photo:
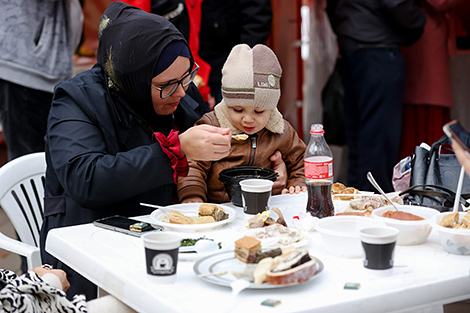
251	91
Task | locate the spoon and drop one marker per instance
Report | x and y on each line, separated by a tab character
376	186
161	208
201	246
237	286
240	137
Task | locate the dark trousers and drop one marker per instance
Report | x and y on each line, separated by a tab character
373	80
23	115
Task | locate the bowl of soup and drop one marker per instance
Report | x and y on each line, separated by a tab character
413	222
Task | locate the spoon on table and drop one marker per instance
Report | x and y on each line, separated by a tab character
237	286
161	208
201	246
376	186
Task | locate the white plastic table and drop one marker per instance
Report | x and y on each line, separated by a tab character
425	276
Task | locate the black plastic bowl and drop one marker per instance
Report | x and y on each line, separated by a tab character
231	178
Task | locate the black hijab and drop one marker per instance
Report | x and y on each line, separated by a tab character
130	44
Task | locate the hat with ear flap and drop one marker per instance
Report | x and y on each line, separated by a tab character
251	77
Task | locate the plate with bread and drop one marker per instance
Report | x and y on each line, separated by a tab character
191	217
263	268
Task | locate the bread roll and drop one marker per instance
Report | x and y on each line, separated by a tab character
203	220
450	220
179	218
263	267
466	220
294	275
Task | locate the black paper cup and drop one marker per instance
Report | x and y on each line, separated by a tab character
379	247
231	177
255	195
161	255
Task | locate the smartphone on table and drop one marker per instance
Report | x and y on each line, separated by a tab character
126	225
456	131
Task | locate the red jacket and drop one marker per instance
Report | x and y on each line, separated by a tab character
427	78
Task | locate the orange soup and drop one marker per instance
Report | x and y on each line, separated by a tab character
404	216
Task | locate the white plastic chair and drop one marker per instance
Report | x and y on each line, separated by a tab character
22	198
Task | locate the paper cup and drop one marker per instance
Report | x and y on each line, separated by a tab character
256	194
379	247
161	255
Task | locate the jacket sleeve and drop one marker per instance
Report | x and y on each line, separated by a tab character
87	158
293	156
443	5
407	17
195	183
256	17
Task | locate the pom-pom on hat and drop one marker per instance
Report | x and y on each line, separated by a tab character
251	77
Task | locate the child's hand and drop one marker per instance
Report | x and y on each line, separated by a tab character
192	200
294	189
279	167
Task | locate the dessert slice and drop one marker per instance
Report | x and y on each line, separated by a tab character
246	249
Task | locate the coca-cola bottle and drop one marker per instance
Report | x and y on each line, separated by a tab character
318	161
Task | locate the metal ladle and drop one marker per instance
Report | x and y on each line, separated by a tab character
376	186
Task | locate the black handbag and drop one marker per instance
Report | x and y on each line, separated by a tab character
434	178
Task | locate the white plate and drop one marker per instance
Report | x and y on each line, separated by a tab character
191	210
270	238
226	261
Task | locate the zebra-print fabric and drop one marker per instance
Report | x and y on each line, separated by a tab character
29	293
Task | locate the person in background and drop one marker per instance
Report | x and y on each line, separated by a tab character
43	290
37	43
251	91
121	133
186	16
428	95
225	24
369	36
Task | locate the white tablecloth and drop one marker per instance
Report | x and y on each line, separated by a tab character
424	276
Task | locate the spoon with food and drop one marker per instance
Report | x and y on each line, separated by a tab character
240	137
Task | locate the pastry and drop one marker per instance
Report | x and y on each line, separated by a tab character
450	220
246	249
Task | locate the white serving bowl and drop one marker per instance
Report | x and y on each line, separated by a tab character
455	241
411	232
340	234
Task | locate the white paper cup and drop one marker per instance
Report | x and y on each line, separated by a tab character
161	255
379	247
256	194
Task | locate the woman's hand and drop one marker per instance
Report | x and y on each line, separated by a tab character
205	143
462	156
294	189
279	167
59	273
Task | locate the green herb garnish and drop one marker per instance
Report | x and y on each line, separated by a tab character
192	241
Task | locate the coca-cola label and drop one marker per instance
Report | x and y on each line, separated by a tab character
318	170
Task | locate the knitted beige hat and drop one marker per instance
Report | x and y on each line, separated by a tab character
251	77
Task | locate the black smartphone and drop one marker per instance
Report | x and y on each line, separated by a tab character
457	132
126	225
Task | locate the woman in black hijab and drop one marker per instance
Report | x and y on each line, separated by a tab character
120	133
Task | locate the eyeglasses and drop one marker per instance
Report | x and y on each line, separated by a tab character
168	90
